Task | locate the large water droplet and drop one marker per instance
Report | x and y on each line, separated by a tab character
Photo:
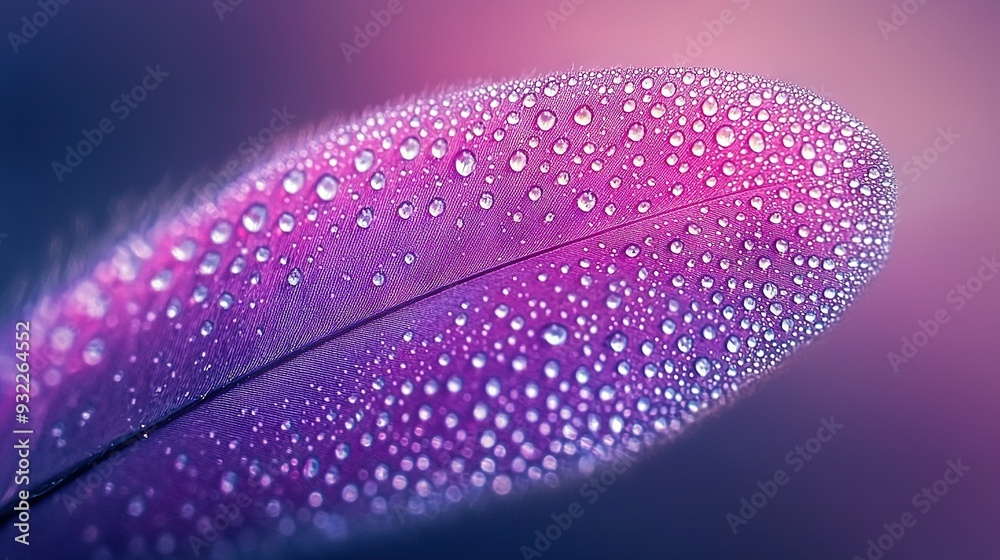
636	132
327	187
365	216
555	334
254	218
364	160
436	207
546	120
409	148
486	201
465	163
725	136
221	232
518	160
586	201
439	148
293	181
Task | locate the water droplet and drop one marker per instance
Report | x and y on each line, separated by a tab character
184	251
586	201
439	148
486	201
685	343
546	120
465	163
555	334
365	216
209	263
808	151
436	207
293	181
710	107
294	277
618	341
405	209
221	232
702	366
733	343
378	279
161	281
409	148
254	218
286	222
636	132
583	115
518	160
93	352
238	264
206	328
725	136
327	187
756	142
364	160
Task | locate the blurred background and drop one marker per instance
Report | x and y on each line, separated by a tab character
921	73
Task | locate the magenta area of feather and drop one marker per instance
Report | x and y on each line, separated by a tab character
476	292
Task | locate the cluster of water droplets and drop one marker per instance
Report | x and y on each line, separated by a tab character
641	245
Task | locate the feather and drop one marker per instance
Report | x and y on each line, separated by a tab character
470	294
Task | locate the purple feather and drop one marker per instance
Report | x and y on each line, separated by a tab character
471	294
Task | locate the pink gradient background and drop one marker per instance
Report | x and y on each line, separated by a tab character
938	70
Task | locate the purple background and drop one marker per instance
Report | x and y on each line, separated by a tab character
937	71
